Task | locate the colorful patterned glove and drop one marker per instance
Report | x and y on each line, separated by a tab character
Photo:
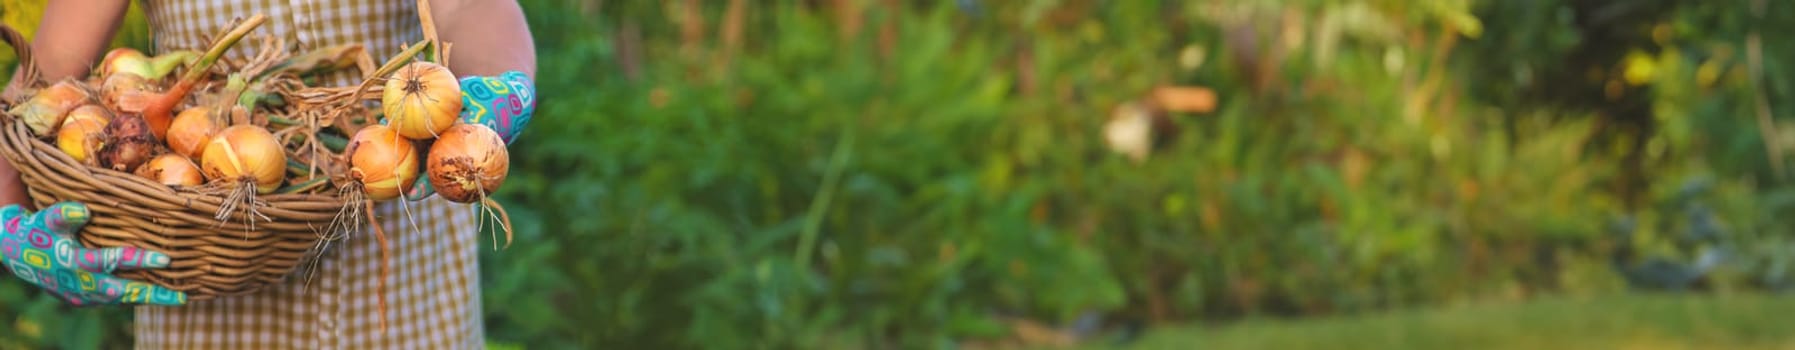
504	103
39	248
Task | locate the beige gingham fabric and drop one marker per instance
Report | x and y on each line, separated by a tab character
382	26
433	296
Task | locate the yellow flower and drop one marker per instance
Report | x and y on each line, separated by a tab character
1640	68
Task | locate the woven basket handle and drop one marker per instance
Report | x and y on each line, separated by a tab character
28	73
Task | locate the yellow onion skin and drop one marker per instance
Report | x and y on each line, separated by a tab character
45	111
467	162
125	60
421	100
173	170
116	86
83	132
190	132
245	153
385	163
80	138
89	111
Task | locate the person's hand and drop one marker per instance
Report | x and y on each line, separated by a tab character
40	248
504	103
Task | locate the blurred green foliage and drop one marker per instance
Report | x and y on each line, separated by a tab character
925	174
1607	322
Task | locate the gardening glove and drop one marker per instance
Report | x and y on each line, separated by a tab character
40	248
503	103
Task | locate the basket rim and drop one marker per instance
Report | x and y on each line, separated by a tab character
281	232
239	270
12	126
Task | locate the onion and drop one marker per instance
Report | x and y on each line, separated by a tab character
89	111
44	111
467	162
190	132
81	132
384	163
80	138
127	143
127	61
245	153
172	169
116	86
421	100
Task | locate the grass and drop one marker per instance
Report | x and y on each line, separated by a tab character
1618	322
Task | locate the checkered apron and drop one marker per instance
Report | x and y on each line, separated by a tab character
433	296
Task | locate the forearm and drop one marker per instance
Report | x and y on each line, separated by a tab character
72	36
487	37
13	191
488	41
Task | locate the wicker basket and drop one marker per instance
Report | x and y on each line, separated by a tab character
209	257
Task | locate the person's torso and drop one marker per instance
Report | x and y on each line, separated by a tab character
381	26
435	295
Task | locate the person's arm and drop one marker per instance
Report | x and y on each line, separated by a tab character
491	51
487	37
70	38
